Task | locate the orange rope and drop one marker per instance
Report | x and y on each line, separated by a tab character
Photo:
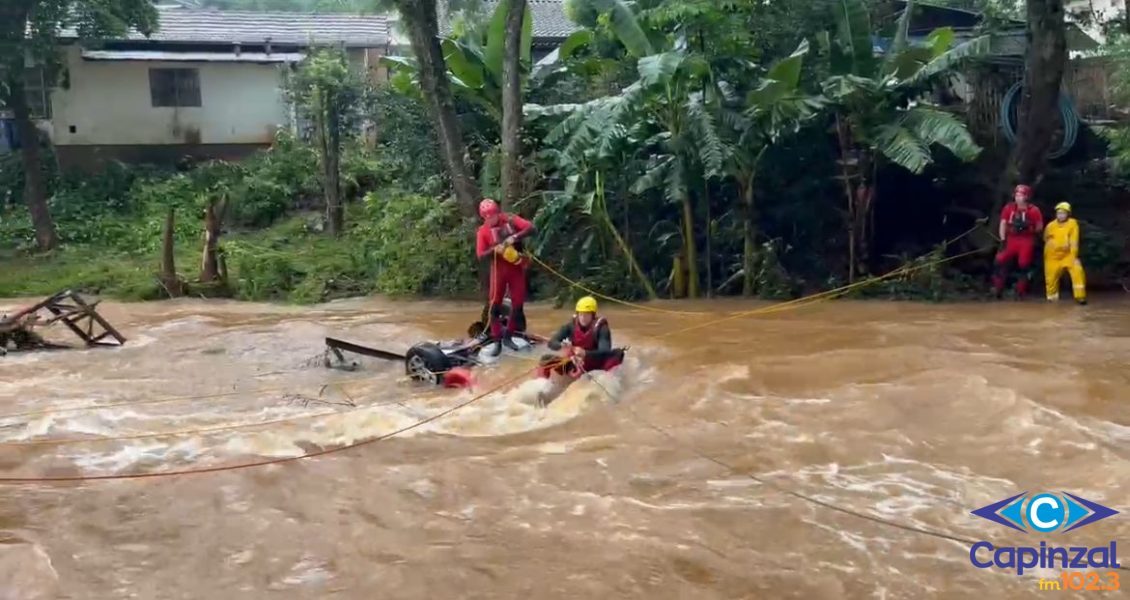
202	430
271	461
261	463
783	306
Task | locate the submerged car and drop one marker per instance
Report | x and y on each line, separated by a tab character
444	363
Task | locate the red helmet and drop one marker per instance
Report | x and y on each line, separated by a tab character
488	208
1023	190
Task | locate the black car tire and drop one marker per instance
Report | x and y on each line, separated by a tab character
426	362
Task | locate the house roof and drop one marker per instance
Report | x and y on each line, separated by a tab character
1011	41
551	26
549	19
205	26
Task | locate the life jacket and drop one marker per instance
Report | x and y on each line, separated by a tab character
1019	222
586	338
504	230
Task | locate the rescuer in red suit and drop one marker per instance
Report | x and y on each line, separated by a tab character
1020	227
499	240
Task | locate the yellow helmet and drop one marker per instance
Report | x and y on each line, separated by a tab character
586	305
1063	206
510	255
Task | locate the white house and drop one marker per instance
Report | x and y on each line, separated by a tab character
206	84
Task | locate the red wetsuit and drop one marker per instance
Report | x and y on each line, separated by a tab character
1023	227
505	276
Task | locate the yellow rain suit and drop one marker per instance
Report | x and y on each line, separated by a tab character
1061	252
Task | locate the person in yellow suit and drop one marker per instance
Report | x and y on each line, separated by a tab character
1061	252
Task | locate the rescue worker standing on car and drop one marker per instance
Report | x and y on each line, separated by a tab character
1061	253
499	240
1021	224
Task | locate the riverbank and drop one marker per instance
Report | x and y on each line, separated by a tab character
289	262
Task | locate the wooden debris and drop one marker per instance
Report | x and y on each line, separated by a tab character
66	307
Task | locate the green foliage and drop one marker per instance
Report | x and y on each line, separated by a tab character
657	107
474	62
29	30
12	174
123	208
406	141
1100	251
880	99
436	258
328	92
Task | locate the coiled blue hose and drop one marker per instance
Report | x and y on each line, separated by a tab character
1066	112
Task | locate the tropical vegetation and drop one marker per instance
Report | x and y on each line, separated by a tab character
667	148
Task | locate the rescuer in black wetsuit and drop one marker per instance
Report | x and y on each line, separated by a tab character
586	340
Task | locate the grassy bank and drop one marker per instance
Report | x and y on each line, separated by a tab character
289	261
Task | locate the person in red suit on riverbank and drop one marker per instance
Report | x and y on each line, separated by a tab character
1020	227
500	240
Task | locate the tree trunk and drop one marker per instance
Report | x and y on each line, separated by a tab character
209	267
169	279
331	171
690	254
865	225
749	235
844	137
423	31
624	247
512	103
1039	101
709	240
35	188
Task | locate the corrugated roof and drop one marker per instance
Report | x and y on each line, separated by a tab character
164	55
550	23
179	24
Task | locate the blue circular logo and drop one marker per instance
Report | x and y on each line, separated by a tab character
1046	512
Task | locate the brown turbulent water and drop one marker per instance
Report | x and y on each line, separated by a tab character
913	413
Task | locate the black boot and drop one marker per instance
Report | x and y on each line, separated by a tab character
1082	302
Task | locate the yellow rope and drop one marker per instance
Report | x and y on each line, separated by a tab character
792	303
796	303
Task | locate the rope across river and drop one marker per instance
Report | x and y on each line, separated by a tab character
784	306
809	300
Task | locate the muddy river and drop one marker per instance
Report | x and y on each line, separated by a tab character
722	462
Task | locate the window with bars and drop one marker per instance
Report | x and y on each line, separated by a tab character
174	87
37	93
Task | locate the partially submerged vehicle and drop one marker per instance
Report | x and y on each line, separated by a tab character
446	363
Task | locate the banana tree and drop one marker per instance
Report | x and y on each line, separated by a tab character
684	142
880	114
771	110
474	63
589	143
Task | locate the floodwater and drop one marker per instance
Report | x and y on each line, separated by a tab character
635	485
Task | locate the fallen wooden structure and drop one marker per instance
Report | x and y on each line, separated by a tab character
67	307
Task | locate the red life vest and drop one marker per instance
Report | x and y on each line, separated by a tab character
1020	224
586	338
505	230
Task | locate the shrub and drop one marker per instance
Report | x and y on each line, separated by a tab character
418	246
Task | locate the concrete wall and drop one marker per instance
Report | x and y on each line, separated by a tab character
1102	8
109	103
